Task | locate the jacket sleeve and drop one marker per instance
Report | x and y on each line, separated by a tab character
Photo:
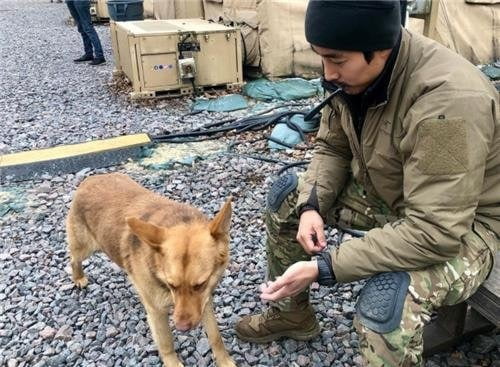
328	170
444	154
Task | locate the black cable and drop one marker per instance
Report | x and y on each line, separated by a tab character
255	122
292	125
181	53
333	91
261	158
280	142
195	90
192	113
218	123
222	122
252	123
287	165
291	165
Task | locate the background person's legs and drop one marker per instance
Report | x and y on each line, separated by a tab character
83	9
439	285
87	44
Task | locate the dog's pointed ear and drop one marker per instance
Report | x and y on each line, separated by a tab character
149	233
219	226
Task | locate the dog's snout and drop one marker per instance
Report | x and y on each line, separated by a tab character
184	325
185	322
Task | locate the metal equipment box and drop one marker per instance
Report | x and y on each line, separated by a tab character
177	56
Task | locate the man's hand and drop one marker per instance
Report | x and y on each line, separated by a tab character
311	233
293	281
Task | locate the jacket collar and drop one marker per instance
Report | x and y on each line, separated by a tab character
401	61
378	91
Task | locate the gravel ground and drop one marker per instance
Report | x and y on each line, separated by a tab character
44	321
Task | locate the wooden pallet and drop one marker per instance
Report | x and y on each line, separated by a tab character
486	301
452	324
99	20
175	92
184	91
479	314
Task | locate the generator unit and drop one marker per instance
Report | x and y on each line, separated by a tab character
99	10
176	57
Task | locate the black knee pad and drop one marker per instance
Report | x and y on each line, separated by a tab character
380	304
280	190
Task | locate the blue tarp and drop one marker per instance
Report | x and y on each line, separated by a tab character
227	103
492	71
165	156
284	89
284	133
11	200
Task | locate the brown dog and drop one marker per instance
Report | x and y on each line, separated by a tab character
171	252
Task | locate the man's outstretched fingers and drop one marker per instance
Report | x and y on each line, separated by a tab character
275	294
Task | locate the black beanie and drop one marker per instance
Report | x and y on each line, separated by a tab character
353	25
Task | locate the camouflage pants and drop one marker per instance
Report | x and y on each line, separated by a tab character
430	288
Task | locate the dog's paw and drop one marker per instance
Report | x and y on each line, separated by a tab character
81	282
172	361
227	363
174	364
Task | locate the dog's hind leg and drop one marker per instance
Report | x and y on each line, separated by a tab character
78	252
222	357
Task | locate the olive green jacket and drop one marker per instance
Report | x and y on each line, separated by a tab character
431	152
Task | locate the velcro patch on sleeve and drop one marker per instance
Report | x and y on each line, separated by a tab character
444	146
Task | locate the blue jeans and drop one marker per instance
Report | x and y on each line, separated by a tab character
80	11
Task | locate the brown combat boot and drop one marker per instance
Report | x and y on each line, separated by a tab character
273	324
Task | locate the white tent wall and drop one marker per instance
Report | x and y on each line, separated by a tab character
276	38
213	9
273	30
472	29
148	8
244	14
306	63
178	9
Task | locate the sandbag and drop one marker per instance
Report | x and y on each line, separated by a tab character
473	31
250	45
276	40
241	11
306	63
148	8
243	14
470	28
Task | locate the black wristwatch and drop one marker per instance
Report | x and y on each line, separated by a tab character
326	276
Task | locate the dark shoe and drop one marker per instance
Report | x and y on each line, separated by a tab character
99	61
83	58
273	324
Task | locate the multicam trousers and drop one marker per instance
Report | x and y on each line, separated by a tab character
438	285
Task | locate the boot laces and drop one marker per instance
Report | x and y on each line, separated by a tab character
272	313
